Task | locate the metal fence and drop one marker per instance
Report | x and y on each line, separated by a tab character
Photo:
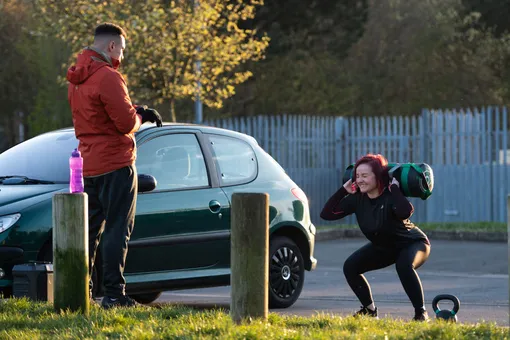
468	150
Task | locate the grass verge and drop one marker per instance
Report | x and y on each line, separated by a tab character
453	226
23	319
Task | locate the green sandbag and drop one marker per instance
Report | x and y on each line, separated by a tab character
416	180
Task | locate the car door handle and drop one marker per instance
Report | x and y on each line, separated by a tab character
214	206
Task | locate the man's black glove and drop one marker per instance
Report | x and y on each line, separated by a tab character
149	115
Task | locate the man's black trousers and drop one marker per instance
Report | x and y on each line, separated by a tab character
112	206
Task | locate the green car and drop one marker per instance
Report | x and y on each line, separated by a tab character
181	239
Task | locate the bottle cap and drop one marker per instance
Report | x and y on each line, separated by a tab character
76	153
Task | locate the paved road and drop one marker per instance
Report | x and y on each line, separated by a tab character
476	272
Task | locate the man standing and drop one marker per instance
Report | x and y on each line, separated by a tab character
105	121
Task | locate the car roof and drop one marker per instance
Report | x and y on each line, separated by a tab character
147	128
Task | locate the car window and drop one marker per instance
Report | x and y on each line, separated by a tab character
44	157
235	159
175	160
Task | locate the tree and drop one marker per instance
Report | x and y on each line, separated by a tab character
50	107
165	40
314	26
415	54
18	67
493	14
303	71
412	54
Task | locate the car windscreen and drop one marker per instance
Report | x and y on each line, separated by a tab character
45	157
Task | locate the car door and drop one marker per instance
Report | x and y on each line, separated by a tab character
179	225
237	168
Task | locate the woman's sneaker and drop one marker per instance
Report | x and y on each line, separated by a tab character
367	311
122	301
421	315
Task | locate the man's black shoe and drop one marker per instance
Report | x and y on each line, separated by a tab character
122	301
368	312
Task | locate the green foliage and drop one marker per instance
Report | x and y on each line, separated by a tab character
18	66
347	57
470	226
445	226
50	106
29	69
412	55
304	84
493	15
20	318
311	26
165	40
304	71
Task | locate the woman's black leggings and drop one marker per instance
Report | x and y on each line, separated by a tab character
371	257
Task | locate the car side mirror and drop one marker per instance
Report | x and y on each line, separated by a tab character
146	183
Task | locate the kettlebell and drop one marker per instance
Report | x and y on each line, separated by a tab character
448	315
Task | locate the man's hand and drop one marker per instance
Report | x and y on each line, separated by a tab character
149	115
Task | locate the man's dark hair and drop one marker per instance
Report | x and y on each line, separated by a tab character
109	29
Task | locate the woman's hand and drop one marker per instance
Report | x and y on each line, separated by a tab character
350	187
394	181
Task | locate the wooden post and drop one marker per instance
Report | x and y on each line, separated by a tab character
249	256
70	252
508	239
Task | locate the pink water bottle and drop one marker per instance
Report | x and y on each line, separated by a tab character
76	167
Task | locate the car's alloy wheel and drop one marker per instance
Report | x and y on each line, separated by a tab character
286	272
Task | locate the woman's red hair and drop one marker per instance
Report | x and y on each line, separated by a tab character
379	166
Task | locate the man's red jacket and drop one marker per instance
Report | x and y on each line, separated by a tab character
104	118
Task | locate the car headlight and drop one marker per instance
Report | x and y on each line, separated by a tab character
8	221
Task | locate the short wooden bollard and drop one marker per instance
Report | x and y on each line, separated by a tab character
70	252
249	256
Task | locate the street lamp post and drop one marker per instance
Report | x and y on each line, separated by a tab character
198	101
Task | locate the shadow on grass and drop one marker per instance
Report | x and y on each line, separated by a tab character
195	305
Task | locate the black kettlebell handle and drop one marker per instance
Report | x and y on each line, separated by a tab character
453	298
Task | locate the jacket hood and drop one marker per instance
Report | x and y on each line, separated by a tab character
89	62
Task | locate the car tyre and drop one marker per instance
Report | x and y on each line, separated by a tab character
145	298
286	272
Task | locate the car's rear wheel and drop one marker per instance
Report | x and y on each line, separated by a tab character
286	272
145	298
